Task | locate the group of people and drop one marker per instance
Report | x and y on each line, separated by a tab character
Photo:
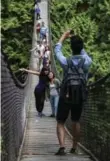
70	94
42	47
48	85
41	29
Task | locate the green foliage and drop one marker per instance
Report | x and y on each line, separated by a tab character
17	26
90	20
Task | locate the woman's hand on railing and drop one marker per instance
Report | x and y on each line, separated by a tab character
30	71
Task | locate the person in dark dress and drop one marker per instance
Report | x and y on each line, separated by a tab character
40	88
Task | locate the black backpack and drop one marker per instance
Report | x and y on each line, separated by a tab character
73	88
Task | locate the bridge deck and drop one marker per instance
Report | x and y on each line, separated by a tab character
40	141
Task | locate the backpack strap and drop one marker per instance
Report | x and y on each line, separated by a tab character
70	63
67	68
80	65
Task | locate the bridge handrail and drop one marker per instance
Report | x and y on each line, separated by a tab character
16	81
15	103
53	65
99	81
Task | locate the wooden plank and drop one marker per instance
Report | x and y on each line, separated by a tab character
55	158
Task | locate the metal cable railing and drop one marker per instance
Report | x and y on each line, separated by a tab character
13	114
20	78
53	64
15	98
15	101
95	121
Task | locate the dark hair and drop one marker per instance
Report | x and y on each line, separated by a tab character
38	41
53	74
76	44
43	70
44	77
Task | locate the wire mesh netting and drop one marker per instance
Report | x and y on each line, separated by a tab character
95	121
14	103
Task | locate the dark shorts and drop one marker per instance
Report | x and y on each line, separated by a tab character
43	36
65	108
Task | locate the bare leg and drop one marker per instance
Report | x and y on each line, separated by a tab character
61	134
76	134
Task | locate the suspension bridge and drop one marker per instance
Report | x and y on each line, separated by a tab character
29	138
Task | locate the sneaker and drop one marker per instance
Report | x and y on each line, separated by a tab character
72	150
39	114
61	151
52	115
43	115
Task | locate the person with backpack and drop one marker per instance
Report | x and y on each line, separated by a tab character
73	88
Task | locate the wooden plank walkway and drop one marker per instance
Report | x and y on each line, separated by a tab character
40	141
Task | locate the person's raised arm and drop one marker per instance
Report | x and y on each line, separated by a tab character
30	71
66	35
61	58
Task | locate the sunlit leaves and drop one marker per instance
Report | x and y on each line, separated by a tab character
17	26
